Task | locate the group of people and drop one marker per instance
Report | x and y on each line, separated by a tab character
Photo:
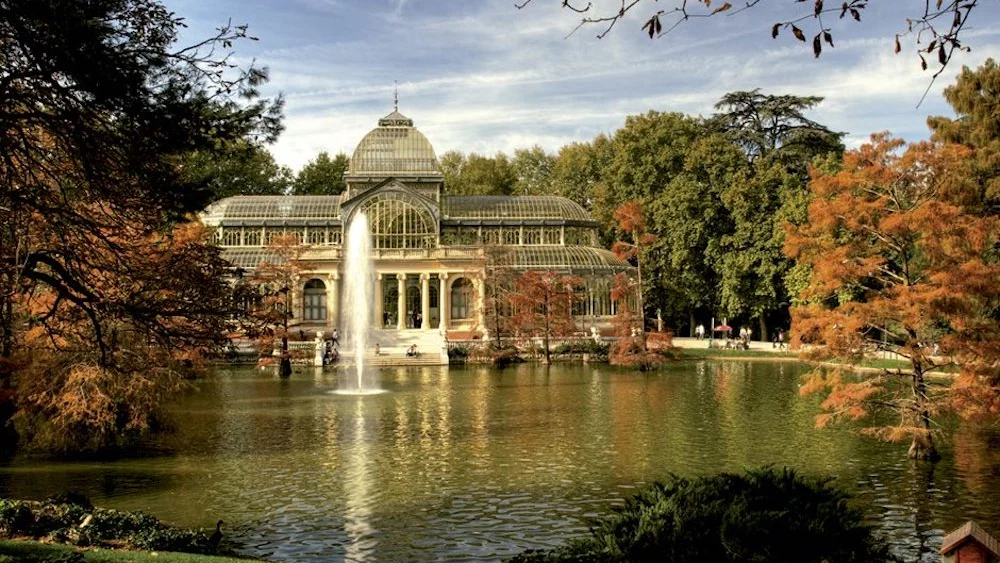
745	336
779	340
411	352
332	354
413	319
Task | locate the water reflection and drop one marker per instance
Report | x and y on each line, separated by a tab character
358	473
477	464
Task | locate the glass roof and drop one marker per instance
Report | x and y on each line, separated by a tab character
250	257
514	207
566	257
272	207
394	147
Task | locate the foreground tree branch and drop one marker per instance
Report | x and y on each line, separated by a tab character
935	26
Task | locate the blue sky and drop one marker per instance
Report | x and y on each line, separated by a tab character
482	76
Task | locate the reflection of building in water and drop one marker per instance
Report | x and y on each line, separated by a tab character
430	248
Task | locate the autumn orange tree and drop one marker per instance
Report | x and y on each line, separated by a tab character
99	282
99	358
543	305
631	219
897	264
274	282
630	347
498	285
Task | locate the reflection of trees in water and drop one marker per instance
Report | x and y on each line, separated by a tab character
977	458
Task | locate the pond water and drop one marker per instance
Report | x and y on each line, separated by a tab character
478	464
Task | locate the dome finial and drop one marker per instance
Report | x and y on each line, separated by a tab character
395	95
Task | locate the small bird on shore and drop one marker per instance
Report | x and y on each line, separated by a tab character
216	536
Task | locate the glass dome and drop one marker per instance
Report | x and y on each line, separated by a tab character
395	147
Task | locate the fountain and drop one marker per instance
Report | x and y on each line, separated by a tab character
358	283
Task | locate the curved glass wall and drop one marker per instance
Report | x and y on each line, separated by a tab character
396	221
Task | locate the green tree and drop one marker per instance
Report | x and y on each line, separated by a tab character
532	170
239	168
775	128
322	175
761	515
451	163
478	175
975	97
779	143
649	151
578	170
690	220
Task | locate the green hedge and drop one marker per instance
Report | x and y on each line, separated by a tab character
763	515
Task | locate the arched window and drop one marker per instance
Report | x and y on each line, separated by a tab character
462	298
398	222
314	301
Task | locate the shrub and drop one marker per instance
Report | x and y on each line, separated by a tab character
60	522
583	346
505	356
458	353
628	351
761	515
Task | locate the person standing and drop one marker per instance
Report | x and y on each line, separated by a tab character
699	331
335	336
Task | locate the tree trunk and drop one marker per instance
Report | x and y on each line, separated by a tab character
691	324
545	344
922	446
763	328
285	366
923	449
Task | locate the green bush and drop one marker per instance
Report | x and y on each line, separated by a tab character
61	522
583	346
761	516
458	353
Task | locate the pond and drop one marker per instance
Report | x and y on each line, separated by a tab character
478	464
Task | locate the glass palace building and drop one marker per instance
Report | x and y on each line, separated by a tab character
430	249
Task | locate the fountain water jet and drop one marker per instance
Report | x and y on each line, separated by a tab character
358	283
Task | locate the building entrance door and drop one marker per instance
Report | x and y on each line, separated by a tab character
413	318
390	306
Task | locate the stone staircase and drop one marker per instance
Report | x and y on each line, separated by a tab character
393	344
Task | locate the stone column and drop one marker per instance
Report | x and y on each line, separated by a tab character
378	302
444	301
401	305
425	301
479	286
333	301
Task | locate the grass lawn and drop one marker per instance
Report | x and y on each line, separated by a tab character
695	353
12	551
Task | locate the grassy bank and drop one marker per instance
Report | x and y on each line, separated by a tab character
867	365
16	551
698	353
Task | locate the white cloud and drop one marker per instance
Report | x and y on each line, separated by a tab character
485	77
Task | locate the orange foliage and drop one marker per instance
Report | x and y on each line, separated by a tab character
896	264
543	305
